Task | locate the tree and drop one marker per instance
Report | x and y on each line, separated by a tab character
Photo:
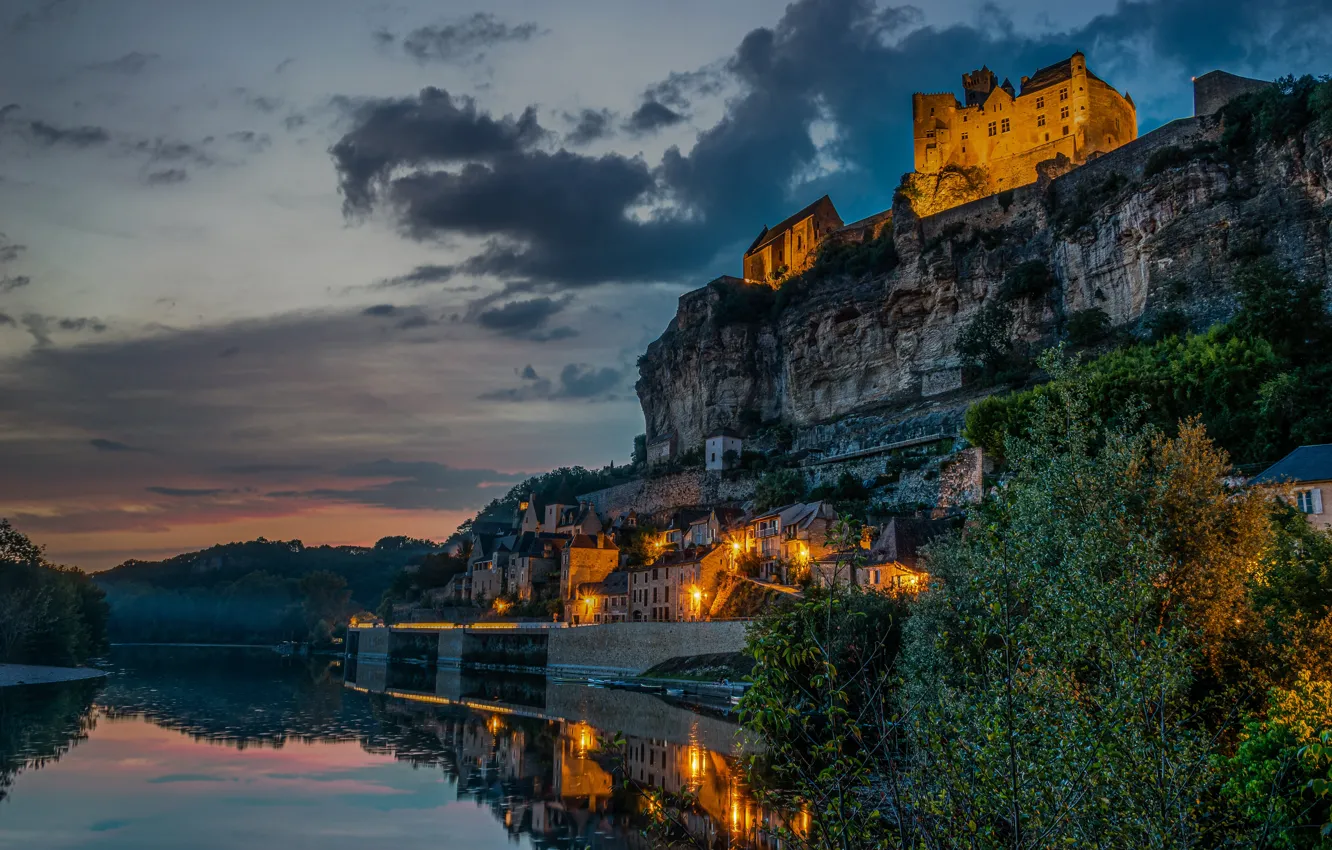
1048	670
48	614
326	602
779	487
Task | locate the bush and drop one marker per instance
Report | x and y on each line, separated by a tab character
779	487
1167	323
1164	158
986	342
1273	115
1032	279
1089	326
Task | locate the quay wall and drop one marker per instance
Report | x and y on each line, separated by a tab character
628	649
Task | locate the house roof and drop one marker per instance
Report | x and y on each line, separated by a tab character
800	514
589	541
903	537
728	516
724	432
769	234
614	584
1307	463
686	517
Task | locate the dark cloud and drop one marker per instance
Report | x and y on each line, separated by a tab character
554	334
7	320
411	322
186	492
680	88
383	38
284	65
420	276
379	310
465	40
7	109
13	282
40	327
431	128
577	381
76	137
293	122
517	318
589	126
131	63
9	251
162	150
267	468
821	105
166	177
104	445
45	12
254	142
651	117
414	485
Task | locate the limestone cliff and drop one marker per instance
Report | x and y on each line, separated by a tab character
883	348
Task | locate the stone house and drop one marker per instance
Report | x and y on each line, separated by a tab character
676	533
534	565
721	450
605	601
712	528
1061	110
790	246
662	450
793	535
892	562
678	585
487	582
1307	471
572	519
586	559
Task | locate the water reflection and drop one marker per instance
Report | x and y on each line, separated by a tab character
543	763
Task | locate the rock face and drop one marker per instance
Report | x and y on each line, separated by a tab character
885	347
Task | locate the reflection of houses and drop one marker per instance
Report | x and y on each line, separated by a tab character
1308	473
678	585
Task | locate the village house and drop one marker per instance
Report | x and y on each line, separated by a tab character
712	527
793	535
678	586
1307	471
585	560
605	601
1063	110
892	561
790	247
721	450
534	565
572	519
661	450
676	533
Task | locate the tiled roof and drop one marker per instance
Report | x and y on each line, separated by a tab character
1307	463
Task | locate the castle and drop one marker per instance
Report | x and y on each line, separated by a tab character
1061	110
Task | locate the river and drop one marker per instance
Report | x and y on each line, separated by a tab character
228	747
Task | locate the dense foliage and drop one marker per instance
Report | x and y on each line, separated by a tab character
559	486
779	487
1276	114
1118	651
48	614
1259	383
260	591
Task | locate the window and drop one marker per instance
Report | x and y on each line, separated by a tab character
1063	113
666	593
1047	137
1040	120
929	134
1005	126
931	110
1063	94
1310	501
1065	129
993	131
1040	103
964	136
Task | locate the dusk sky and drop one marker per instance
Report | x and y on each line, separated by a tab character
336	270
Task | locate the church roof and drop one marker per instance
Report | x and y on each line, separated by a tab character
769	234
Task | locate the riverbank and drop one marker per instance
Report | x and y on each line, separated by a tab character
31	674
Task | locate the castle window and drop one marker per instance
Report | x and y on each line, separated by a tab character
1005	126
1065	129
965	135
1040	120
1047	137
1063	94
1040	103
929	134
993	130
1063	112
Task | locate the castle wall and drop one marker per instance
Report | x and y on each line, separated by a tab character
1215	89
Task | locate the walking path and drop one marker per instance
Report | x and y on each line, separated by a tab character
28	674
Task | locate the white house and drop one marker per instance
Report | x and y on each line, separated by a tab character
718	444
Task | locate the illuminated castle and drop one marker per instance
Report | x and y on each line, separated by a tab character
1062	109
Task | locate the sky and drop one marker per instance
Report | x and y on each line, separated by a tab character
335	270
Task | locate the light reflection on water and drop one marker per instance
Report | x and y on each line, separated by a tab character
227	747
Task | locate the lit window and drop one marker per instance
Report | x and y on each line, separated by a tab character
1040	103
993	129
1063	112
1040	120
1005	126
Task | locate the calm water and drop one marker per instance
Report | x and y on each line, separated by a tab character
214	748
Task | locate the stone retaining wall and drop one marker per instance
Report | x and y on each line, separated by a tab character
683	489
628	649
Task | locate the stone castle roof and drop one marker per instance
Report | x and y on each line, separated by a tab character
1053	74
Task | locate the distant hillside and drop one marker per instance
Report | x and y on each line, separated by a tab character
257	591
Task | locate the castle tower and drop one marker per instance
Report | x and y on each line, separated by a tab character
978	85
